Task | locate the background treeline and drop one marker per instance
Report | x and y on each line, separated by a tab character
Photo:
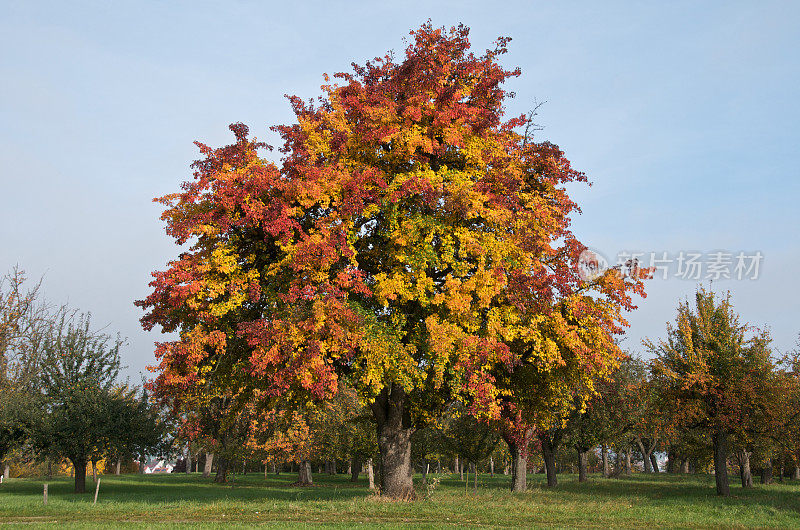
713	398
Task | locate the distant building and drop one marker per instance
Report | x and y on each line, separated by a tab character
158	466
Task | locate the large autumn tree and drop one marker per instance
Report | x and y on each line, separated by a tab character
411	241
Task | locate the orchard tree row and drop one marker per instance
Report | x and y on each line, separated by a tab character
60	396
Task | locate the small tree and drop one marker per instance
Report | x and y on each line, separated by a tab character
715	372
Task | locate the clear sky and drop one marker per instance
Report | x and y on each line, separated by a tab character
683	114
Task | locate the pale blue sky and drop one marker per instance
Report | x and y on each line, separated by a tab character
683	114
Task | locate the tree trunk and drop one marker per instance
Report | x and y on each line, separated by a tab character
304	477
583	464
671	461
394	442
519	468
519	460
222	471
606	465
355	469
648	464
766	472
491	466
370	475
743	456
94	471
117	466
720	441
208	464
80	475
549	447
188	459
654	461
685	466
796	472
628	461
50	468
476	478
781	469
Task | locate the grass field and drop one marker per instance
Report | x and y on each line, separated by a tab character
178	500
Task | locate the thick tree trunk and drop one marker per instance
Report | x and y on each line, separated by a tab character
685	466
394	442
370	475
549	447
355	469
491	466
766	472
796	472
606	465
583	465
222	471
304	477
6	471
720	441
117	466
80	475
746	476
188	459
519	468
425	467
208	464
94	471
654	462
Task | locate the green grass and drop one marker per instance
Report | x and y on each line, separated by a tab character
178	500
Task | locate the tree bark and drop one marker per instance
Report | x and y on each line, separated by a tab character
394	442
304	477
188	458
491	466
6	471
606	466
746	476
671	461
654	462
355	469
222	471
94	471
628	461
549	447
117	466
519	468
647	462
80	475
208	464
720	441
766	472
583	465
796	472
50	468
370	475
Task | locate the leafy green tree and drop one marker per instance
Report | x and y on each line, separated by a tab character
715	373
